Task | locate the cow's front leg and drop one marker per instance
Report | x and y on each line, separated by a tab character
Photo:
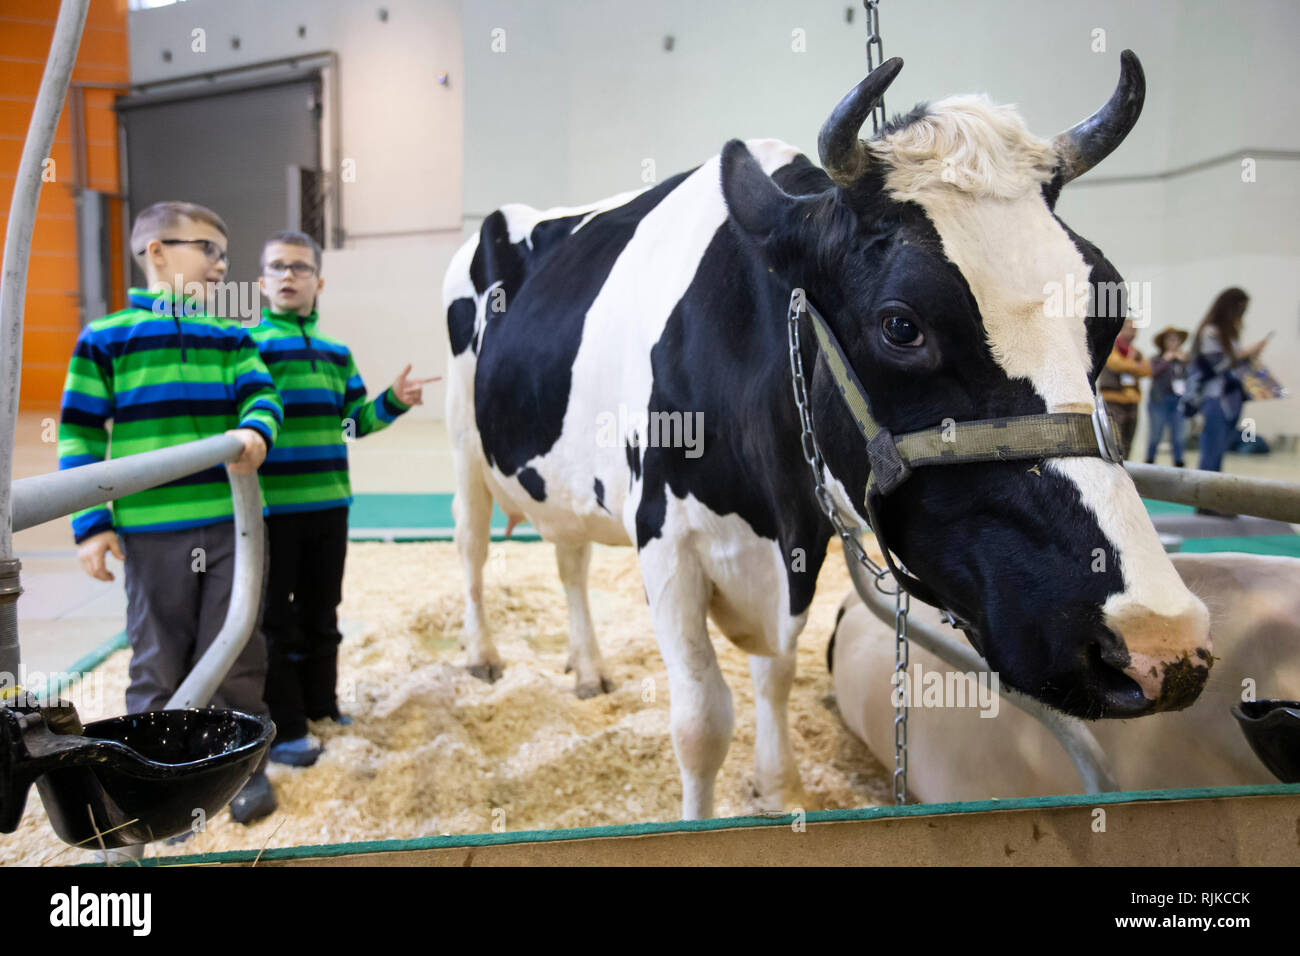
777	776
584	652
700	713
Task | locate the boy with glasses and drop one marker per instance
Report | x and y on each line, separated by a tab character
305	480
166	373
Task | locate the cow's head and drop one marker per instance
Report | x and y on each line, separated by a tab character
934	252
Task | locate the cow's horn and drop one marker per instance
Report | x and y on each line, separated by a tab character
1084	146
843	155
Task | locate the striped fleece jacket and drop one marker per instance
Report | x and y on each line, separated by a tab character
324	404
164	378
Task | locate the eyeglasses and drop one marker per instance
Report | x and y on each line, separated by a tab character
300	270
211	249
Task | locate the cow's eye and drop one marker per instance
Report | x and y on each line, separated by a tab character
901	330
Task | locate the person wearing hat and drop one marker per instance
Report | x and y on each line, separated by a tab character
1118	385
1168	384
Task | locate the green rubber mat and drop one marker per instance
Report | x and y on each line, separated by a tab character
407	517
1287	545
1166	507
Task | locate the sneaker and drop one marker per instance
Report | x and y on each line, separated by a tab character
255	801
299	752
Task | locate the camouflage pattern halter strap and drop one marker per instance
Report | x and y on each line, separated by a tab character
1023	437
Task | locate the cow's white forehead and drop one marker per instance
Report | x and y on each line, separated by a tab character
978	174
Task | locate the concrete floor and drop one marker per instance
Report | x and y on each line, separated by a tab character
64	613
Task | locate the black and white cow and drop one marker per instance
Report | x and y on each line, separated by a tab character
930	249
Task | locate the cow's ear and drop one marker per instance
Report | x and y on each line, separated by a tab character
755	202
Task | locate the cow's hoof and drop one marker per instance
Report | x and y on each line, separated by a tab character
487	672
584	691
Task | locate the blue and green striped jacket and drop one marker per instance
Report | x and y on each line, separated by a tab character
324	407
163	377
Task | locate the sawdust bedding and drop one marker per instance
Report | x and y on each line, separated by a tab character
435	751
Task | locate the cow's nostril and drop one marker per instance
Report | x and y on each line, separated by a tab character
1112	650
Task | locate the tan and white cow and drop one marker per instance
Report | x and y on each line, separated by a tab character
954	753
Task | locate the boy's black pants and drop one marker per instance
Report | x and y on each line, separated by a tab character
304	588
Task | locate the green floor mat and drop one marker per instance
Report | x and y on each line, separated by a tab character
1286	545
417	517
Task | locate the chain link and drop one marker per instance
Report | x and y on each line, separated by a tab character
875	57
849	535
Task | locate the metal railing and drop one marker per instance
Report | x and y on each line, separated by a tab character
1235	494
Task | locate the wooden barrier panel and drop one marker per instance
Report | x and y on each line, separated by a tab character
1230	826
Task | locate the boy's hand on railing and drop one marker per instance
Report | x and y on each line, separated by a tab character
92	551
254	451
411	391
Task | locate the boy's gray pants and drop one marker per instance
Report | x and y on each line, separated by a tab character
173	613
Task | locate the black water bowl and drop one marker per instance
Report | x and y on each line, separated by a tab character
1272	728
143	776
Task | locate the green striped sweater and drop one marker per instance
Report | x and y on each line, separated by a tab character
324	407
163	377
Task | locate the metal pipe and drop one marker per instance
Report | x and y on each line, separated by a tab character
1073	735
13	282
45	497
245	599
1262	497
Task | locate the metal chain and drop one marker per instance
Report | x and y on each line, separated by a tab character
902	604
902	601
875	57
812	453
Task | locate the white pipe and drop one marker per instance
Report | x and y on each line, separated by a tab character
13	291
18	236
44	497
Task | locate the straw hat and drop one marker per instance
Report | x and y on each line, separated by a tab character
1170	330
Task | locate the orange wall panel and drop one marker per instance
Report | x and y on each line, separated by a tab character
52	233
50	311
51	321
52	272
15	115
101	120
42	383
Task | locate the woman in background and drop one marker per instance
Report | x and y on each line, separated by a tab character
1118	384
1168	383
1220	364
